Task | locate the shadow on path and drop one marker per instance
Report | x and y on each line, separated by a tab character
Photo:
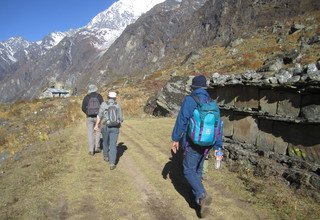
174	169
121	148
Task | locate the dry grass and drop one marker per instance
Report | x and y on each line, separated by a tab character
132	101
29	122
268	192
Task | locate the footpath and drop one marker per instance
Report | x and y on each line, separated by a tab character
57	179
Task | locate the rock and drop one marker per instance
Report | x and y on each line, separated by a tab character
3	121
17	157
236	42
3	156
294	79
256	76
315	76
215	75
191	57
314	39
273	80
318	64
295	177
290	56
311	112
169	99
283	76
252	75
220	80
273	66
266	75
298	69
312	68
296	27
247	75
315	181
316	196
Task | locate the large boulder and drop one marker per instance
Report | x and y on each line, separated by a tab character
169	99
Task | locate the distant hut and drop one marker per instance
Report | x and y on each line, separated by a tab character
54	92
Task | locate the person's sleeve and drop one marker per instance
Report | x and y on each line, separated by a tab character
219	142
84	105
183	117
101	110
120	114
100	99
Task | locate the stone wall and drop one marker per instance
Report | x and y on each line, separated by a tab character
271	118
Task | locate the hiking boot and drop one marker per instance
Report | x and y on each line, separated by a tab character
91	153
204	202
106	159
112	167
97	151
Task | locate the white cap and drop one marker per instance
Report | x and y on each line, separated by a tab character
112	95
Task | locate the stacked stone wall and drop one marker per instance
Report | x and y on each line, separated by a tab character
270	118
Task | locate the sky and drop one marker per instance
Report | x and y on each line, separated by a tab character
34	19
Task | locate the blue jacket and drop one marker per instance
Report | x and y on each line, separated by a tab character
188	105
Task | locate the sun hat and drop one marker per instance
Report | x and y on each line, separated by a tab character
92	88
112	95
199	82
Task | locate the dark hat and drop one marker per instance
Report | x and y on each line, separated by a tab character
199	82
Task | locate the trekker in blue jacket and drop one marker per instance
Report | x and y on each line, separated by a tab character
194	155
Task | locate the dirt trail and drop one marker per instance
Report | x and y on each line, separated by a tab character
146	183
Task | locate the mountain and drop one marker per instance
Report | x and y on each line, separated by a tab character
12	51
178	28
28	68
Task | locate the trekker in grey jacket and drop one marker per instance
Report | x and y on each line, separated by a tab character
110	117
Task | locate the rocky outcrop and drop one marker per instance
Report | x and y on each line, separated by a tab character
168	100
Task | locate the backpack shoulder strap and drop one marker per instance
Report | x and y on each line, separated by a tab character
196	99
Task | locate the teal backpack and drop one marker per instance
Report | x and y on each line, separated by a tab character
205	125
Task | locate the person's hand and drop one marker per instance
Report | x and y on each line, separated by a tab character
96	128
215	153
175	146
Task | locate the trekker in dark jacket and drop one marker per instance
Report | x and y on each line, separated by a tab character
90	106
194	155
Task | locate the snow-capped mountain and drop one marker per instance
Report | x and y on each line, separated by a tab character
13	50
51	40
109	24
61	55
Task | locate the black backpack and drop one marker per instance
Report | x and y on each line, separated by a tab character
93	106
